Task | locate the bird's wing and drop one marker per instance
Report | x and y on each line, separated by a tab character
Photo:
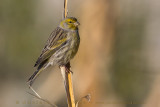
54	42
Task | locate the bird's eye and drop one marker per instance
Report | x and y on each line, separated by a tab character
70	22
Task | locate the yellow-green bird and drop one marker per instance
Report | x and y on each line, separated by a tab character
60	48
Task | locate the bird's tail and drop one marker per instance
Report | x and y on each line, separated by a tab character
34	76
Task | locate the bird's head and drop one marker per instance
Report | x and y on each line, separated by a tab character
69	23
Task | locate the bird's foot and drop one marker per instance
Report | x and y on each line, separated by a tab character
68	70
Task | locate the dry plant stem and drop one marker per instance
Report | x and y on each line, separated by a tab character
67	76
66	73
65	8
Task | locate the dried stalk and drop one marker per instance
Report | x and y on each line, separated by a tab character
65	8
67	76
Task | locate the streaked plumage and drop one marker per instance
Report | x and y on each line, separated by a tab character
60	48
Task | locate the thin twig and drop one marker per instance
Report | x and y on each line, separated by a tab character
87	97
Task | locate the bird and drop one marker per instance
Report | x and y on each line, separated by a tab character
61	46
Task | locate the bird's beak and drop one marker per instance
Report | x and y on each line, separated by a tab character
77	23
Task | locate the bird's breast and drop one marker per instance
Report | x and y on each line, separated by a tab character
74	44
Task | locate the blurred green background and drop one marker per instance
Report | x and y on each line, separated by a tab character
117	62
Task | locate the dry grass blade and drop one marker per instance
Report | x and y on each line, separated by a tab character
48	102
34	91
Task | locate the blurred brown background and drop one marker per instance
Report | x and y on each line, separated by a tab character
117	62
